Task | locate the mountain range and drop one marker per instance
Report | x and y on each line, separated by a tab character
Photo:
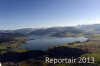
94	28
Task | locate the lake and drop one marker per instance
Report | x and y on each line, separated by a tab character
43	42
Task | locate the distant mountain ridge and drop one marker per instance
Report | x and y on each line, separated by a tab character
54	30
24	31
93	28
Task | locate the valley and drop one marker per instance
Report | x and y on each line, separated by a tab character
11	54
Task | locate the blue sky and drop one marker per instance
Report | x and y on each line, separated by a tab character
16	14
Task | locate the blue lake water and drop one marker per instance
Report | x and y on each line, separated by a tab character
43	42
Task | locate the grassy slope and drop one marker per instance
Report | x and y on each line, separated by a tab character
11	45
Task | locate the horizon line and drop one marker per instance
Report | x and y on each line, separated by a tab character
49	27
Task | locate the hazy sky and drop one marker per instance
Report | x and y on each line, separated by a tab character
15	14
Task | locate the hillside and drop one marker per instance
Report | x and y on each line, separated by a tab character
7	37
